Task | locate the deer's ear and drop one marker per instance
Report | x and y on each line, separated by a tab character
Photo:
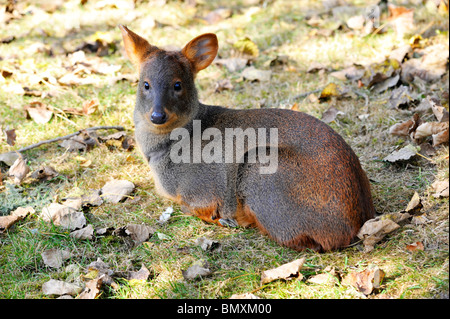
201	51
137	48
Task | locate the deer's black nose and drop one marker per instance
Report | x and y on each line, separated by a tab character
158	118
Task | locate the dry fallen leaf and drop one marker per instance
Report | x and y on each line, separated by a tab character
374	230
286	271
44	173
91	289
15	216
83	233
353	73
415	247
39	112
116	190
252	74
430	67
223	85
208	244
164	217
365	281
55	257
401	97
323	279
405	128
441	188
379	72
58	287
62	215
138	233
19	170
197	269
92	198
330	115
402	19
9	158
10	137
403	154
142	274
232	64
90	107
430	128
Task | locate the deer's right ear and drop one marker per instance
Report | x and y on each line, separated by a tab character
137	48
201	51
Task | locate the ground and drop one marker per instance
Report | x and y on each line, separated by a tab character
66	54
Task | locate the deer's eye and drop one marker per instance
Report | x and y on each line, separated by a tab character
177	86
146	85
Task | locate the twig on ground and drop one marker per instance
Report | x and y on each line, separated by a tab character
119	128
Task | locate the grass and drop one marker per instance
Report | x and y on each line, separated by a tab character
278	28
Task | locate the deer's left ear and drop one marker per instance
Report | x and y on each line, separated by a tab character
201	51
137	48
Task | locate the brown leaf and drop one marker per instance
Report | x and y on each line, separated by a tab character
19	170
44	173
400	53
116	190
138	233
330	115
430	67
379	72
208	244
374	230
55	257
430	128
19	214
415	205
366	280
83	233
91	289
39	112
323	279
84	141
286	271
62	215
232	64
252	74
415	247
90	107
407	127
223	85
9	158
11	137
198	269
217	15
441	137
352	73
401	18
403	154
93	198
58	287
441	188
142	274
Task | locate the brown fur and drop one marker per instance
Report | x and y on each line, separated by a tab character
318	198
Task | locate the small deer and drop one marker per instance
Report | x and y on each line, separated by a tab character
318	196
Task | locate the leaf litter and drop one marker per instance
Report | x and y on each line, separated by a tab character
378	80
